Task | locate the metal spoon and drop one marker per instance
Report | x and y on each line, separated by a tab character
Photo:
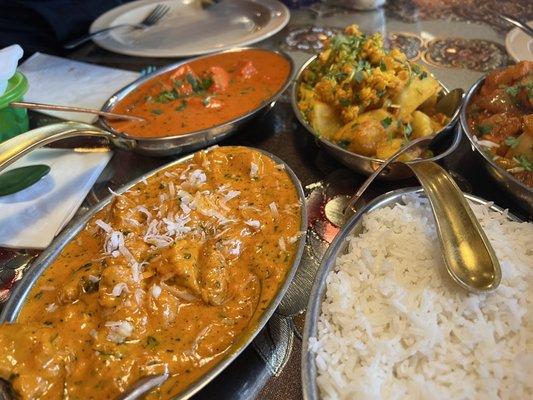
450	105
143	386
55	107
468	254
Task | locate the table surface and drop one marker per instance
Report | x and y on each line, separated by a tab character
458	40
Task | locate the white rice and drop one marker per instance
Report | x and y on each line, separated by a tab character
394	325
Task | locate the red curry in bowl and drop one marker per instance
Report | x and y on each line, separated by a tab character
500	117
204	93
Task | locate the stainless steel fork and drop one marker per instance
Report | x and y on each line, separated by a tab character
151	19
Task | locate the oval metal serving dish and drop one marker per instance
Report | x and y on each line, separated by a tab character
449	139
516	189
16	301
177	144
353	226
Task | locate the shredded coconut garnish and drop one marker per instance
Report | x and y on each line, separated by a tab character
485	143
231	195
171	189
155	290
254	170
139	295
253	223
281	243
145	211
51	307
119	331
294	239
274	209
119	288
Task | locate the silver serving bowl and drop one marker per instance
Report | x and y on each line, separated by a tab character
446	143
22	288
178	144
338	247
516	189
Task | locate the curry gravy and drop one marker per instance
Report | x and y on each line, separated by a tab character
203	93
169	277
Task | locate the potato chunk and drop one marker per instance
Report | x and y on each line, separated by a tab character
324	119
361	138
416	93
421	125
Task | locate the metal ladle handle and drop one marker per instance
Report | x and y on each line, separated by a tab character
352	203
14	148
468	254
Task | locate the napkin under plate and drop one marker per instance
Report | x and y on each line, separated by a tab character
32	217
61	81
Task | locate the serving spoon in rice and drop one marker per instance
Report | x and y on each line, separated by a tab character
468	254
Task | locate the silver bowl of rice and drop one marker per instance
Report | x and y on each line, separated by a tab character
385	321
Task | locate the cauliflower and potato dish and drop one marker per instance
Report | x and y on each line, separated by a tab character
367	99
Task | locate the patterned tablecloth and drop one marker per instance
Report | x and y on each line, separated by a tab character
458	40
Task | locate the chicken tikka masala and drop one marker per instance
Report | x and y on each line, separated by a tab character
203	93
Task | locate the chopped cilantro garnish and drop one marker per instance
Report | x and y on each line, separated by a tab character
344	144
382	66
359	76
524	162
206	101
423	75
166	96
151	342
513	90
88	286
156	111
416	69
182	106
407	131
344	102
206	83
484	129
512	141
385	122
193	82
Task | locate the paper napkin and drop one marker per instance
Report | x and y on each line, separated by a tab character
57	80
32	217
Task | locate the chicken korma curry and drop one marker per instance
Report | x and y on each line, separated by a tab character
166	279
203	93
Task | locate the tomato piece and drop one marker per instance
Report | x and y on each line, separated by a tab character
220	79
246	70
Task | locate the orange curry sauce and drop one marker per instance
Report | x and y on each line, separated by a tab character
168	278
203	93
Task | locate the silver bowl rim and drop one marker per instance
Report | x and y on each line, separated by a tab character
475	145
294	103
308	365
222	127
23	287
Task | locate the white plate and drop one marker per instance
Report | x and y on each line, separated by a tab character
188	30
519	45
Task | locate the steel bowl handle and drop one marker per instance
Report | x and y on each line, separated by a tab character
14	148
